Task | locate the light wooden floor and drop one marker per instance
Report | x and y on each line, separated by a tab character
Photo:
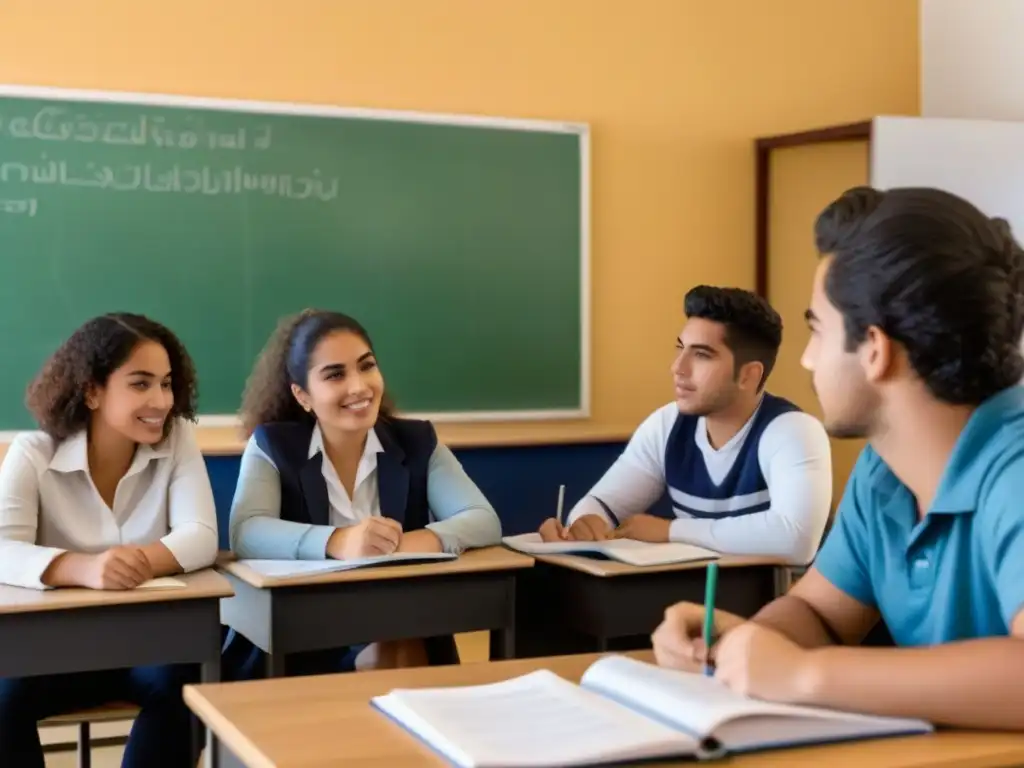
473	647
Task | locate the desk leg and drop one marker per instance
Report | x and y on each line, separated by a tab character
503	639
275	665
227	758
209	673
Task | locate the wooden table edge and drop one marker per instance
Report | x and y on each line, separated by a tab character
600	568
223	729
76	598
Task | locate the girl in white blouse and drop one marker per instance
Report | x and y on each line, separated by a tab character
112	492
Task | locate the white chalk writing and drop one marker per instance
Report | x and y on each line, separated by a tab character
172	179
61	124
19	207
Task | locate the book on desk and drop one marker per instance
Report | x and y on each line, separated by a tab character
622	710
628	551
298	568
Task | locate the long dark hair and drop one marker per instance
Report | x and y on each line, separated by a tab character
285	361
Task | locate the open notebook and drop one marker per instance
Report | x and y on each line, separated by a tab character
627	551
285	568
623	710
163	582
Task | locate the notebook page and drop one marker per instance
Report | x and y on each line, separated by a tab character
285	568
164	582
706	707
644	553
535	720
628	551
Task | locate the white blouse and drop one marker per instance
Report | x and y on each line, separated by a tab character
49	504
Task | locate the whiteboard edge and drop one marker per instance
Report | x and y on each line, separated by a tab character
290	108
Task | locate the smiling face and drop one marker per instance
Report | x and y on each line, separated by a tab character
344	388
136	399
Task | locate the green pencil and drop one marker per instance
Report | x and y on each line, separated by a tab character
710	585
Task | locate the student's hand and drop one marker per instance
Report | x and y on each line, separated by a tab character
117	568
759	662
643	528
588	528
678	641
372	537
420	541
552	530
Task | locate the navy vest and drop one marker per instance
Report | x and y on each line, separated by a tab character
401	470
744	490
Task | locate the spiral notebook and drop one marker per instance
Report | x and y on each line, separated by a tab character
622	710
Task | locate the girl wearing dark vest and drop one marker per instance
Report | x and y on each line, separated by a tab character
330	472
111	492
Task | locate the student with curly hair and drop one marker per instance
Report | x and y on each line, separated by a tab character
330	472
748	473
112	492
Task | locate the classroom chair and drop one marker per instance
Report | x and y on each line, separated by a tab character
84	719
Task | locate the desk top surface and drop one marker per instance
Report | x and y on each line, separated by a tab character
607	568
206	583
316	722
473	561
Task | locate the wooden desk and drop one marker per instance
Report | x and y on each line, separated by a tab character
575	604
80	630
331	610
321	722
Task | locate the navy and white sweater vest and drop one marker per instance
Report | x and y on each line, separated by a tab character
744	489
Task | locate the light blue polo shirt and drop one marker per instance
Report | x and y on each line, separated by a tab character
959	572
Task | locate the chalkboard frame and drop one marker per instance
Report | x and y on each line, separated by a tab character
580	130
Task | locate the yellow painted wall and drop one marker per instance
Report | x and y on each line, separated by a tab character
805	180
675	91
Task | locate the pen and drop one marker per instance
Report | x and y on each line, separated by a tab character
710	584
561	502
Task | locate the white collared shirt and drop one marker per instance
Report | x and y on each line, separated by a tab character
49	504
365	501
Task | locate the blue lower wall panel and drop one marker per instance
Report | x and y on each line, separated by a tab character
521	482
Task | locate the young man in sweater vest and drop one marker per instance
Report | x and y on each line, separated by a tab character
747	473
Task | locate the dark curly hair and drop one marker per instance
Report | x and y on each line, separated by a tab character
56	397
285	361
937	276
753	330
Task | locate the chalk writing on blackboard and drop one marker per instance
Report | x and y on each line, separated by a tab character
176	178
61	124
26	207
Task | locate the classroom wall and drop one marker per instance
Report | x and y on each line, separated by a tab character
675	91
972	60
804	180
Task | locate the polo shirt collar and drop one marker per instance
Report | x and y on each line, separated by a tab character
973	454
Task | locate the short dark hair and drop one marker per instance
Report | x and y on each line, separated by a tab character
56	397
285	361
936	275
753	330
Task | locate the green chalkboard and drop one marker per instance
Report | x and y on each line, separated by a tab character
459	242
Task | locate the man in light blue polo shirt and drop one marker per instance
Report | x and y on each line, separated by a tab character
916	318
